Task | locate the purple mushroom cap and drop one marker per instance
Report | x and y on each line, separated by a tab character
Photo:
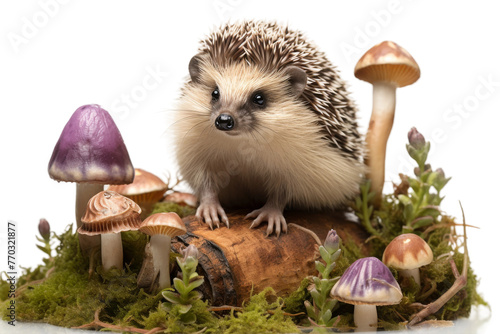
91	150
367	281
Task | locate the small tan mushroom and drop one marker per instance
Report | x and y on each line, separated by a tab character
407	253
182	199
108	214
387	66
162	227
146	190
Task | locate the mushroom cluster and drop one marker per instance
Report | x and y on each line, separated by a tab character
368	282
90	152
109	213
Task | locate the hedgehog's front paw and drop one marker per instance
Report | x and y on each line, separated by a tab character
274	217
210	212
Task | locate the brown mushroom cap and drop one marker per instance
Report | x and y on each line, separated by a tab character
182	199
387	62
146	186
407	251
165	223
110	212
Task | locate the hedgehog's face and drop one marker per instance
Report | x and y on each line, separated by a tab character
241	98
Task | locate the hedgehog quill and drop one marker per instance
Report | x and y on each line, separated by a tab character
265	122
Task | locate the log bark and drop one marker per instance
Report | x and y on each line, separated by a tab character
239	261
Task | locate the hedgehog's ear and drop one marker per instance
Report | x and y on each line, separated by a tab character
297	78
195	68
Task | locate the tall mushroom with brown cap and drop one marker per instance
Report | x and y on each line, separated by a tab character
366	284
146	190
162	227
90	152
387	66
407	253
108	214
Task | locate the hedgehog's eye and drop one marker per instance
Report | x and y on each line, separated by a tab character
215	94
258	99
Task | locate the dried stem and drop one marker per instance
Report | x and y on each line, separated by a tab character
314	235
178	180
98	323
435	227
460	282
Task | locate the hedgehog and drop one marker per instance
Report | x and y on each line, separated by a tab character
264	122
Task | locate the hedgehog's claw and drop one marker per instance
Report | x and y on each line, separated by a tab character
274	217
210	212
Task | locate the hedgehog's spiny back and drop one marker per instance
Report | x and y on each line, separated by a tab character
274	47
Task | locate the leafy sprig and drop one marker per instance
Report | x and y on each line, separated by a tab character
321	309
182	299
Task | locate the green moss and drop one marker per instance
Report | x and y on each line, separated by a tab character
4	289
294	303
134	243
256	318
181	210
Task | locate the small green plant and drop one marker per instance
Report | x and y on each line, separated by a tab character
185	296
46	247
418	198
421	203
364	208
321	309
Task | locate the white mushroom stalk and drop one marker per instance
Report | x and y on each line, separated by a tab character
411	273
381	121
365	318
160	249
84	192
111	251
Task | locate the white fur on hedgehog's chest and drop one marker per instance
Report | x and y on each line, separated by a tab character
308	171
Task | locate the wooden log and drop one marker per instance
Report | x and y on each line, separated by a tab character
239	261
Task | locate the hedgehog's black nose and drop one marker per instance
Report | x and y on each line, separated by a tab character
224	122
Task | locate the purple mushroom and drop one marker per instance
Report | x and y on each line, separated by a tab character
90	152
366	284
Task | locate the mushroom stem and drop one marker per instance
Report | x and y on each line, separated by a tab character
382	118
415	273
365	318
160	248
111	251
84	192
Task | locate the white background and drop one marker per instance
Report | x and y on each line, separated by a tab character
59	55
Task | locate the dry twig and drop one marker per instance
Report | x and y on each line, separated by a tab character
311	233
460	282
98	323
